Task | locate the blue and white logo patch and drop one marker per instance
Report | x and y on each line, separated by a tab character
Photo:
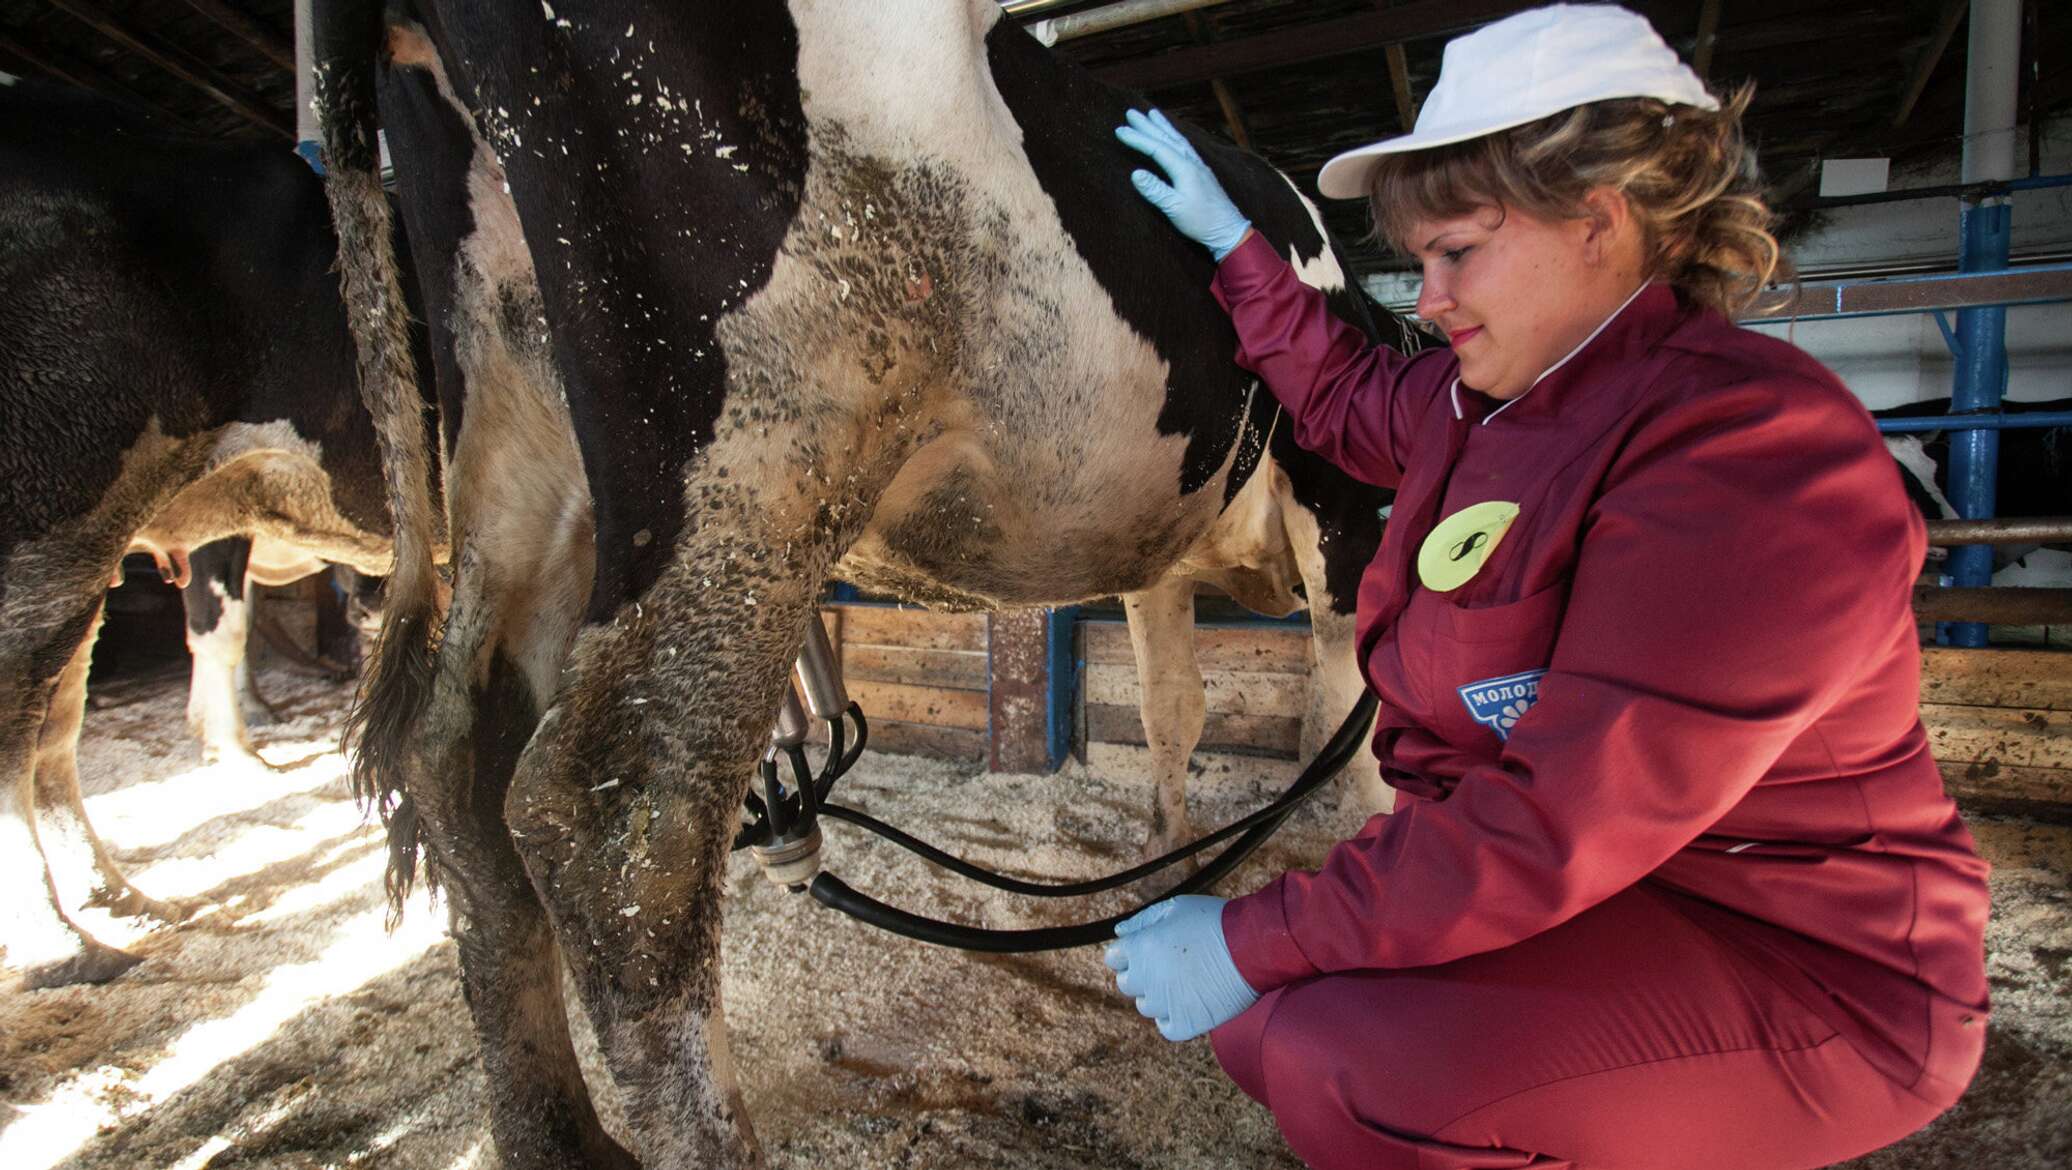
1498	703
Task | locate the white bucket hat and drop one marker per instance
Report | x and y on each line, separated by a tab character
1525	67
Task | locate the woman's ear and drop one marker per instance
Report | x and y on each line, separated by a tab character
1609	219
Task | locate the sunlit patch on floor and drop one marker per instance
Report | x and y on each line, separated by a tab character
43	1134
158	812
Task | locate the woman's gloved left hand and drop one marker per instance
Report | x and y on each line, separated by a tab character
1190	196
1171	958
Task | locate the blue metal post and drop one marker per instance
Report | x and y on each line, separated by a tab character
1980	383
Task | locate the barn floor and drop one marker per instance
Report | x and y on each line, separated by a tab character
283	1028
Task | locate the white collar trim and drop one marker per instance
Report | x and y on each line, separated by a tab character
1453	391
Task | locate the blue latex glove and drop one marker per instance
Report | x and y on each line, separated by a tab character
1171	958
1189	195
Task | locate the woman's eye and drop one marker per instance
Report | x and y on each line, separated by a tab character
1452	256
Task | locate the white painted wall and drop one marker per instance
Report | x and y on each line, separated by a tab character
1900	359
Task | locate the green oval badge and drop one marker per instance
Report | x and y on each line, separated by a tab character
1457	548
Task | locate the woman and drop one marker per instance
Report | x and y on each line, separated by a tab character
1673	881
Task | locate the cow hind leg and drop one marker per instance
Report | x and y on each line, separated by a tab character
540	1110
1172	705
82	870
483	708
39	940
624	807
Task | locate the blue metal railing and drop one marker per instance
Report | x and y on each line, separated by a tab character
1988	422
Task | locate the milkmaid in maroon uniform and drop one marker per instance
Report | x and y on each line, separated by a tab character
1672	880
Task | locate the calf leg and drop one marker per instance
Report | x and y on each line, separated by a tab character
1173	707
47	947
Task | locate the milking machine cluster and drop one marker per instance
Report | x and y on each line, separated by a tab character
782	825
783	829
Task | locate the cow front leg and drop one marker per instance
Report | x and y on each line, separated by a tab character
1335	681
1172	705
1335	685
624	807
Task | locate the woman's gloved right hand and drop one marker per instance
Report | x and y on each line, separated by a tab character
1189	195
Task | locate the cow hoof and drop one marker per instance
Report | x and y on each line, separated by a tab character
133	904
243	758
1158	844
1144	889
96	963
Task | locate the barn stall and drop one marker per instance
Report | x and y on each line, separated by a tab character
284	1025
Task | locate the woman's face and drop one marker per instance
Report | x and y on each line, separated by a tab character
1515	293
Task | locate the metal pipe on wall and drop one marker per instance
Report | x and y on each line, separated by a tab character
2029	530
1992	78
1111	17
305	116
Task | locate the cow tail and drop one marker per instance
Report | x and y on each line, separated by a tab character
395	690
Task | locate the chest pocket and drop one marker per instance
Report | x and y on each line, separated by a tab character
1479	668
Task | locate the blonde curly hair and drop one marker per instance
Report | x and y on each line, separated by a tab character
1685	172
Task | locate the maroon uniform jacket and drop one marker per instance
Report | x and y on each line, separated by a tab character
1691	661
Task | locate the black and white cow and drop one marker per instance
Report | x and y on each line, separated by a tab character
175	368
219	599
728	299
2033	478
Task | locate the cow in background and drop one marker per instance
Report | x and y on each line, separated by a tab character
175	368
2033	478
221	604
724	305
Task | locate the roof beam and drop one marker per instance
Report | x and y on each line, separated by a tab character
183	66
88	77
1399	78
1708	35
1233	115
1931	56
1307	42
1399	82
275	47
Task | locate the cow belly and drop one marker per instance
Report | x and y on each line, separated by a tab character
983	378
956	526
265	481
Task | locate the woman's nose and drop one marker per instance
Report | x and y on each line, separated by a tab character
1432	300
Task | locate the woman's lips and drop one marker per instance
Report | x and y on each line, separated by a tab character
1459	336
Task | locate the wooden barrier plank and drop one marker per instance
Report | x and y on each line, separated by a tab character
880	625
1977	782
1281	651
911	704
954	670
1108	723
2037	679
2000	605
920	739
2003	735
1229	692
